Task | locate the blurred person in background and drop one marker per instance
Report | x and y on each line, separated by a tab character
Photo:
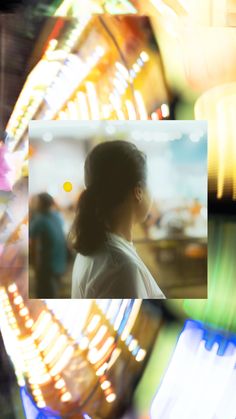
115	199
48	249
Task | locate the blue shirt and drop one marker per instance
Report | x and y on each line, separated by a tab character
48	230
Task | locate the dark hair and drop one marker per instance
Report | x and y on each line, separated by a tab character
45	202
112	169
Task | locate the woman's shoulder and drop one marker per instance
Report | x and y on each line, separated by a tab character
122	260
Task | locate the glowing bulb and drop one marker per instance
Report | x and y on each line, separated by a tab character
123	70
18	300
12	288
29	323
66	397
105	385
145	57
84	343
133	345
154	116
53	43
136	68
102	369
60	384
37	392
93	324
111	398
41	404
165	110
24	311
140	355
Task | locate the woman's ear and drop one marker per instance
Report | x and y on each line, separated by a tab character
138	193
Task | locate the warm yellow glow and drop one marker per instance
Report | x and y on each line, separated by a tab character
218	107
203	12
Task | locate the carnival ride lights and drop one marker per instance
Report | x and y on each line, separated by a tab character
60	86
66	364
201	377
218	106
38	83
87	105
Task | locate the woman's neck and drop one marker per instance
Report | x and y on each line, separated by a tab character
122	227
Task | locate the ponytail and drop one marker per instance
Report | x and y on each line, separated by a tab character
88	230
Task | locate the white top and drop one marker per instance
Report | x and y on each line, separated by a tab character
116	271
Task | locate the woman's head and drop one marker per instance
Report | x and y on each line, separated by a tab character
115	175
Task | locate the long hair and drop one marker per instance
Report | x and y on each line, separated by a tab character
112	169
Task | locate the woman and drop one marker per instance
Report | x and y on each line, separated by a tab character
115	198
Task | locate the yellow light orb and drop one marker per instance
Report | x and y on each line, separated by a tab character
67	186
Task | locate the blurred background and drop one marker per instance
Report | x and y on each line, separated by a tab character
191	48
173	240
